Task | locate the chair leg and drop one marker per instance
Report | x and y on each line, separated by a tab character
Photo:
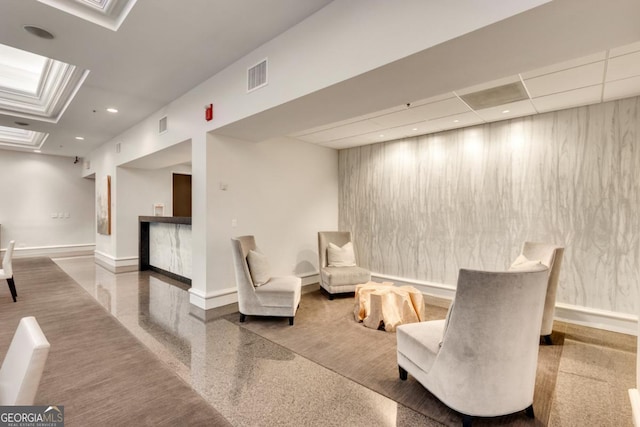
242	318
529	412
467	420
547	339
12	288
403	373
290	321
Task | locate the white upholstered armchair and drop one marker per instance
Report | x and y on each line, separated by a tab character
340	273
260	294
551	257
480	361
6	272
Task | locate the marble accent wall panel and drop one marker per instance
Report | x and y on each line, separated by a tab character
424	207
170	248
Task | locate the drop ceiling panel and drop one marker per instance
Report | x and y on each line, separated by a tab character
507	111
561	81
457	121
429	111
622	67
578	62
622	88
623	50
572	98
351	129
488	85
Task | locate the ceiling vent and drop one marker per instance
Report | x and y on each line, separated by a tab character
495	96
162	125
257	76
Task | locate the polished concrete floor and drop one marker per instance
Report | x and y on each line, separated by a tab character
247	378
253	381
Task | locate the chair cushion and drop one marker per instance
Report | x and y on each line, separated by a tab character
420	342
280	291
258	267
523	263
341	256
340	276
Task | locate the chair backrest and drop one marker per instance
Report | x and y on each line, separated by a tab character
6	261
240	247
489	353
23	364
339	238
551	256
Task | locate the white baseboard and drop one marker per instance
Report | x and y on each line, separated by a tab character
585	316
634	396
116	265
54	251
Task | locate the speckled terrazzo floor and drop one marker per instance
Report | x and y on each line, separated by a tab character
253	378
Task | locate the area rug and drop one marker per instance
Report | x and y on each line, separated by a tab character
326	333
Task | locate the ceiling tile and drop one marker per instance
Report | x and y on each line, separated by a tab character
622	88
565	65
622	67
488	85
513	109
344	131
571	98
457	121
561	81
429	111
623	50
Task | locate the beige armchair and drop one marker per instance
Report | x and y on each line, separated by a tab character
333	279
277	296
551	257
6	272
482	360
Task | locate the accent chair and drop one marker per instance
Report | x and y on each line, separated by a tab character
336	278
7	270
23	364
259	294
551	257
481	361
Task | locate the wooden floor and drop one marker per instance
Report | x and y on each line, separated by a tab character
100	373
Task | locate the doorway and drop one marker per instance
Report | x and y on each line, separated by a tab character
181	194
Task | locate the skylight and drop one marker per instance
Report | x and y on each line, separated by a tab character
106	13
21	138
32	86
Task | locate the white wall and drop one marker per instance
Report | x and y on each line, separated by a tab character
281	191
33	187
137	191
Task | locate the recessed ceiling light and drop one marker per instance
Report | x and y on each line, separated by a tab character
456	121
505	111
381	136
414	129
22	123
112	110
38	32
37	151
80	138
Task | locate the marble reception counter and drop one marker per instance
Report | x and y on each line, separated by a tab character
165	246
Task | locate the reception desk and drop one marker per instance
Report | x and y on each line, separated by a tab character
165	246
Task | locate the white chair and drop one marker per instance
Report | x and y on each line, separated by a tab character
480	361
336	280
551	257
7	270
23	364
278	296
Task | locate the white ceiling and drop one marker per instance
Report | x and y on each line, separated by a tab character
566	52
162	49
599	77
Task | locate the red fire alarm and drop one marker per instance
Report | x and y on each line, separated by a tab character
208	112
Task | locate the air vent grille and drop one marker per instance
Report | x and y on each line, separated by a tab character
162	125
495	96
257	76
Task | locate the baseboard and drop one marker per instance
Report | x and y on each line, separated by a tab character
428	288
309	278
634	396
596	318
116	265
585	316
54	251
